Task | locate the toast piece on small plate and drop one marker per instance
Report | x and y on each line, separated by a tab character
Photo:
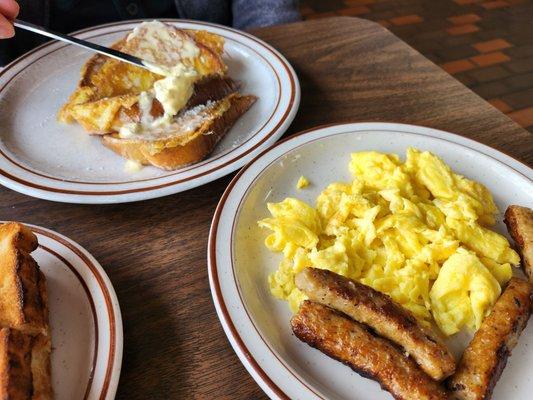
41	350
25	343
15	365
25	369
22	305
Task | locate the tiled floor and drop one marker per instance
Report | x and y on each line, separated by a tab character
486	44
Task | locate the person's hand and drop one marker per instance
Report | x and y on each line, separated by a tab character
9	10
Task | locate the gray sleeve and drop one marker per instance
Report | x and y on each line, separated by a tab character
256	13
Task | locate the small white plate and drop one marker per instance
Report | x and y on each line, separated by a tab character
43	158
85	320
257	324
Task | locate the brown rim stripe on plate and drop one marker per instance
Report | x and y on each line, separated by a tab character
107	299
117	192
93	311
212	250
181	170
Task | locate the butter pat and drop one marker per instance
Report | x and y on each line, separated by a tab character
129	130
169	53
146	129
174	91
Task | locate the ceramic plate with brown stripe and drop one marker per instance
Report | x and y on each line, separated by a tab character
85	320
257	324
44	158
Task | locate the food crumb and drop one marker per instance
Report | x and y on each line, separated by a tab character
302	183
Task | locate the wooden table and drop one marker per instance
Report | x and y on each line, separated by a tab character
155	251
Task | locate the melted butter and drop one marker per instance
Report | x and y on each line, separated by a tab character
175	89
183	124
129	130
132	166
148	128
145	106
162	44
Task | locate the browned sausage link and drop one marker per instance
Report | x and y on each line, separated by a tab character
486	356
519	221
349	342
381	313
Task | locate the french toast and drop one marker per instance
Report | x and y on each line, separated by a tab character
108	86
21	298
15	365
41	368
138	111
25	345
184	146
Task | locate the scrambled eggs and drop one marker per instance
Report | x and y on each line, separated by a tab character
414	230
302	183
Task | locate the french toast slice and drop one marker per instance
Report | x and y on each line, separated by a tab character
41	370
25	368
41	350
190	139
15	365
25	344
22	305
108	86
168	120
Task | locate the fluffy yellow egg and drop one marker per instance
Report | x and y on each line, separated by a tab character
414	230
463	292
302	183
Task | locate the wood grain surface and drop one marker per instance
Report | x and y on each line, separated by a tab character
155	251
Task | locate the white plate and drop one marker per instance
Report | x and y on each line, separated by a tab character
257	324
85	320
43	158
